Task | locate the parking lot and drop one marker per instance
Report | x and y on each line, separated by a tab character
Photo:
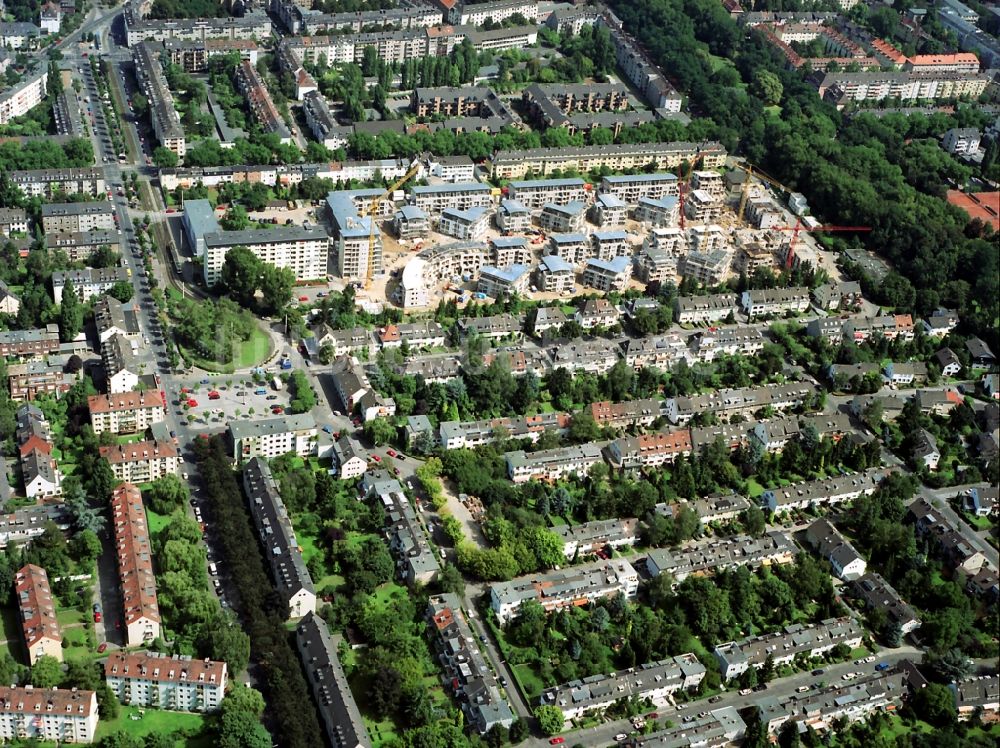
224	398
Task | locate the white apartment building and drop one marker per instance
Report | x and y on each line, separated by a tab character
713	308
607	275
467	225
534	193
758	303
135	566
630	187
271	437
56	714
513	217
708	267
67	218
563	217
87	282
433	199
21	98
304	251
497	12
171	682
608	210
141	462
499	282
125	412
554	274
573	248
607	245
552	464
46	182
657	211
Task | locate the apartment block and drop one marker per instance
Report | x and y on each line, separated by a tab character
87	282
112	317
510	250
194	56
27	381
599	535
607	275
841	88
327	680
135	566
654	682
844	559
782	647
467	225
465	670
64	218
649	450
48	183
472	434
513	217
170	682
24	525
434	199
126	412
708	556
251	85
141	462
321	121
24	96
162	111
303	251
37	611
277	538
51	714
655	264
607	210
617	157
121	365
823	492
499	282
564	218
551	464
640	70
876	593
352	234
251	26
536	193
554	274
272	437
630	188
574	586
573	248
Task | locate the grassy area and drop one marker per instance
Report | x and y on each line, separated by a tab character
69	616
754	488
190	728
246	354
530	684
155	521
11	626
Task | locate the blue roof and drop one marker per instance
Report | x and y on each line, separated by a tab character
663	176
610	201
200	216
509	274
617	265
530	183
567	238
412	212
608	235
571	208
513	206
556	264
433	189
469	214
509	241
667	202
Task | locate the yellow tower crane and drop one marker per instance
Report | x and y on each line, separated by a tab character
752	173
372	214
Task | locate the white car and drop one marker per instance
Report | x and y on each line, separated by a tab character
872	658
621	737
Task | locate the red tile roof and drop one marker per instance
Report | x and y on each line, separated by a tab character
137	451
124	401
163	668
135	558
34	599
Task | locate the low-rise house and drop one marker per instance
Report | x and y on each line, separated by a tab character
981	501
355	391
599	535
551	464
471	434
134	553
978	696
29	343
495	327
727	403
9	303
141	462
951	539
597	313
984	584
126	412
727	341
845	560
171	682
713	308
707	556
878	594
625	414
349	458
940	323
548	318
980	353
783	647
425	334
938	402
891	405
349	342
823	492
720	508
649	450
654	682
660	352
37	611
465	668
924	450
277	538
24	525
272	437
764	302
59	715
835	297
575	586
416	561
906	373
948	362
327	680
517	361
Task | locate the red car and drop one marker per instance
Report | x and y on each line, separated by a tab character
557	741
376	458
97	616
391	452
303	298
171	210
102	648
192	403
277	410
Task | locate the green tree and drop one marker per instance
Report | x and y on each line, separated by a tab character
70	313
768	87
241	275
550	719
164	158
238	729
166	494
935	703
246	700
123	291
46	672
380	431
276	288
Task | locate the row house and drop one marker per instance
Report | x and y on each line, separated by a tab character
170	682
823	492
494	327
141	462
465	670
727	341
978	696
707	556
258	99
592	356
272	437
282	551
649	450
438	368
472	434
416	561
712	308
134	554
599	535
727	403
27	381
784	646
763	302
845	561
338	709
552	464
660	352
424	334
59	715
653	682
126	412
37	611
630	413
517	361
576	586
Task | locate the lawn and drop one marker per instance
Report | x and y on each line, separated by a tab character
159	722
531	685
11	625
246	354
156	521
754	489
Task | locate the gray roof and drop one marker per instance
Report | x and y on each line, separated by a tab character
200	216
250	428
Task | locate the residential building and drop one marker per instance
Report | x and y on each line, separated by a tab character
87	282
471	434
468	225
607	275
630	188
499	282
649	450
258	99
510	250
951	539
416	561
657	211
593	356
844	559
135	566
355	391
352	233
194	56
410	222
924	451
494	327
37	611
327	680
597	536
841	88
513	217
27	381
763	302
878	594
961	141
641	71
707	556
981	501
13	220
424	334
253	25
607	245
702	206
948	362
655	264
112	317
452	168
277	538
535	193
19	35
573	586
625	414
50	714
978	696
713	308
126	412
608	210
496	11
349	458
465	670
162	111
568	217
24	525
707	267
719	727
551	464
75	217
652	682
554	275
272	437
784	646
321	121
49	183
551	318
170	682
980	353
823	492
121	365
23	96
343	342
141	462
727	403
434	199
303	251
905	373
573	248
597	313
